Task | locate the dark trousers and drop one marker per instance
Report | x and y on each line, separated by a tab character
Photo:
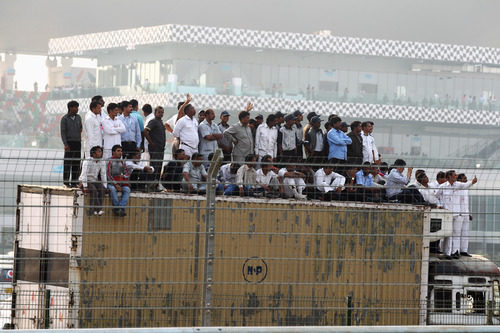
338	165
156	158
139	179
96	191
316	161
72	163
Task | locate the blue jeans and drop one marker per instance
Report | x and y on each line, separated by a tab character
113	193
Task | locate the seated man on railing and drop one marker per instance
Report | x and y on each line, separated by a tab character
118	178
328	185
227	179
396	189
246	177
268	179
141	175
194	175
172	172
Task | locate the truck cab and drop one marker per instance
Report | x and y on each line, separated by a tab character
463	292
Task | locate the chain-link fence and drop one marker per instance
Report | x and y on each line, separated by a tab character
180	259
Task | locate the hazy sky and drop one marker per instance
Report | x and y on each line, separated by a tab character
26	25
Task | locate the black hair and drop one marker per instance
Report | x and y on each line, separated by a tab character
124	104
460	176
177	152
134	103
96	98
253	122
330	117
355	124
366	123
72	104
131	154
440	175
271	117
250	157
179	105
243	114
384	166
267	159
93	105
210	156
419	175
115	147
147	109
202	111
94	149
158	108
367	164
449	173
195	156
111	106
399	163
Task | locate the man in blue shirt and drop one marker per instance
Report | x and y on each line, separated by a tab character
132	137
337	141
364	179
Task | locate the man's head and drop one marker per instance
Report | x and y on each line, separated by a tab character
336	122
462	178
311	115
328	169
399	164
179	105
147	109
316	122
116	151
280	117
367	127
367	168
233	168
134	155
159	112
421	177
126	107
384	167
266	163
244	117
299	116
73	107
250	160
209	115
224	117
98	99
189	110
252	123
113	110
196	159
95	107
271	120
451	176
201	116
179	155
289	120
344	127
351	171
441	177
259	120
135	104
96	152
356	127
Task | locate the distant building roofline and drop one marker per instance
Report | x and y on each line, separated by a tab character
78	45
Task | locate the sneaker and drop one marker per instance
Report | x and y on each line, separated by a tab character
465	254
299	196
95	213
122	212
100	212
117	212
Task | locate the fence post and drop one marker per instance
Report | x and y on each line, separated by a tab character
349	310
209	237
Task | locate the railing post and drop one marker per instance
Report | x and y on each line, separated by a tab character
209	237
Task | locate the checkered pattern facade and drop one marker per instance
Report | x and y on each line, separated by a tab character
171	33
266	104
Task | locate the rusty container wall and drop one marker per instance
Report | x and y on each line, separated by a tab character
296	264
275	263
143	270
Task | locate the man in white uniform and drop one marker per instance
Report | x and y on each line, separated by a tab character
93	128
186	130
449	194
466	217
112	128
370	152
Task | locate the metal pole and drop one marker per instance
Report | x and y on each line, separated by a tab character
349	310
209	238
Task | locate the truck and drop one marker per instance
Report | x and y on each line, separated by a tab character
190	260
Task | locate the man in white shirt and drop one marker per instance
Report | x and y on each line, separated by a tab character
293	182
186	130
449	194
92	168
112	128
266	138
93	128
370	152
227	179
140	174
209	134
328	184
268	179
466	217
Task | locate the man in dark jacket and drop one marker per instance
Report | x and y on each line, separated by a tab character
71	135
355	149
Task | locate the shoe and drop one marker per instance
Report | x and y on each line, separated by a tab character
446	257
455	255
116	212
100	213
95	213
122	212
299	196
465	254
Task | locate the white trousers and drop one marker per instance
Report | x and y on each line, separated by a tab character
459	241
188	150
289	184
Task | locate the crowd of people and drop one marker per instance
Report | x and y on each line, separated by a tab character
281	157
